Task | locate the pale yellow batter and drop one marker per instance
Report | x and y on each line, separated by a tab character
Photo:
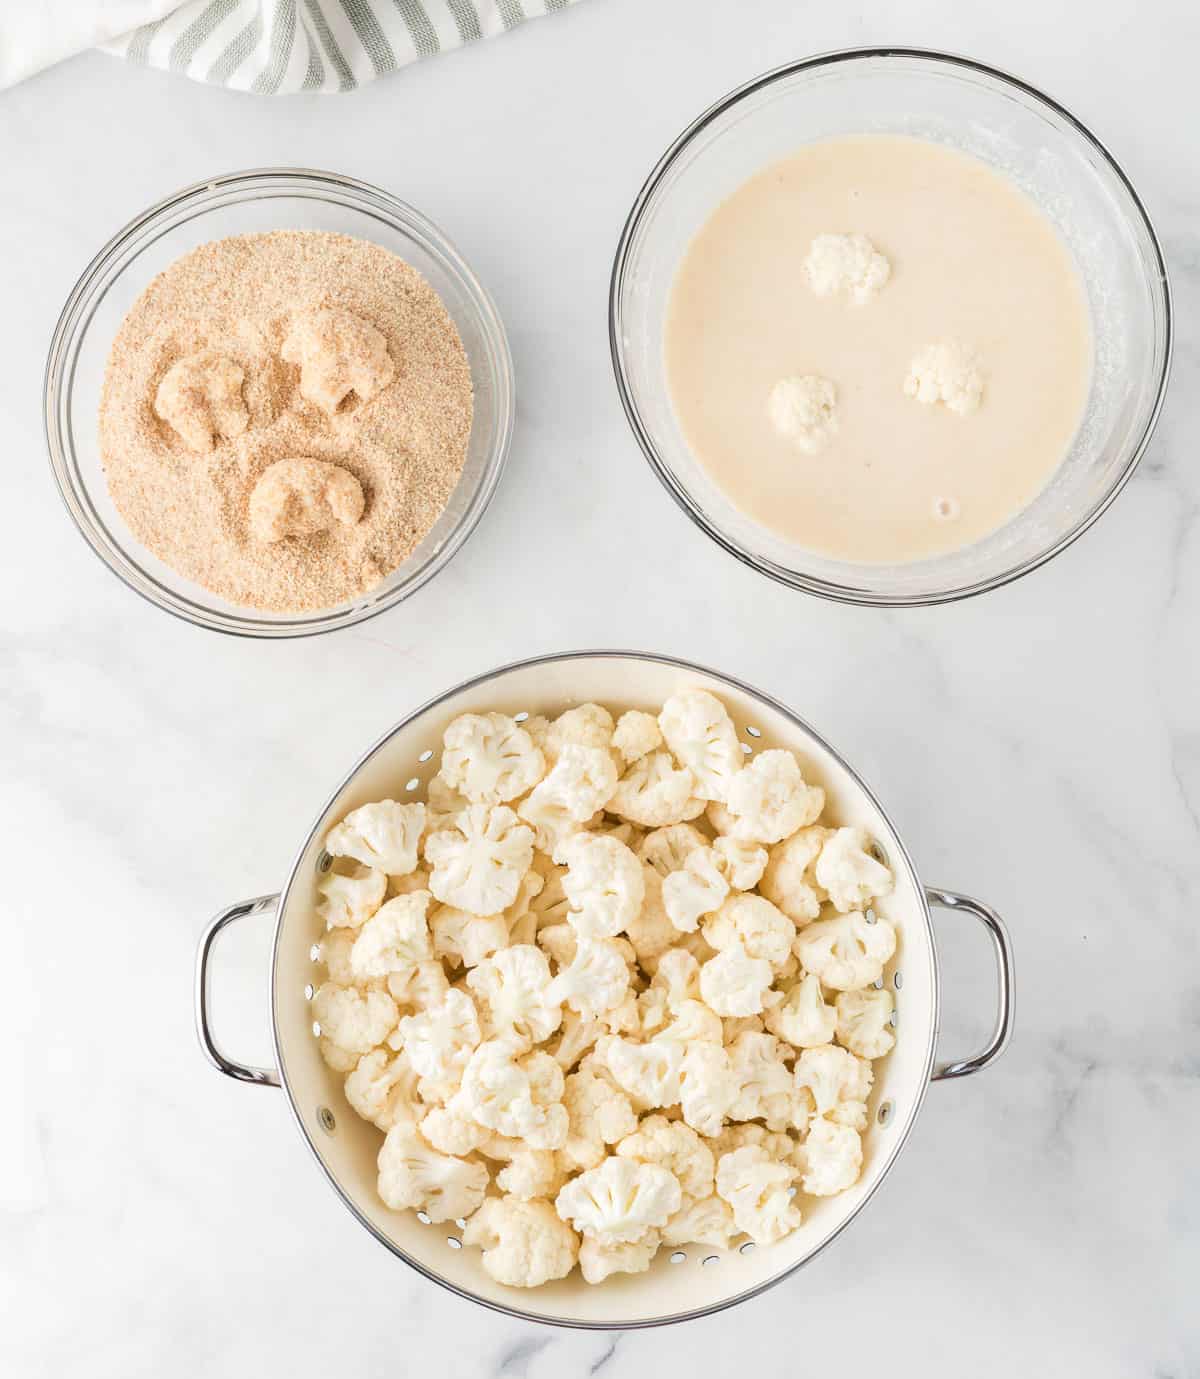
975	264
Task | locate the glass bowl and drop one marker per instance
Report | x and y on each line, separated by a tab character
244	203
1009	125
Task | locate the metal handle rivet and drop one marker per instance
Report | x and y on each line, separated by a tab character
325	1119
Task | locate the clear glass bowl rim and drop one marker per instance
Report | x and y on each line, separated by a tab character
793	578
75	319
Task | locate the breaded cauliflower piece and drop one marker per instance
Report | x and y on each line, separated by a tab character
411	1174
697	728
832	1158
707	1087
766	1090
848	872
769	799
478	864
382	1089
675	1146
301	496
651	932
596	979
490	759
420	987
864	1021
338	353
395	939
740	863
513	991
788	880
200	398
762	930
450	1133
697	889
949	373
581	782
705	1222
759	1189
733	982
524	1244
349	894
636	736
599	1114
846	263
654	793
440	1042
803	410
834	1085
598	1262
463	939
846	951
648	1072
804	1019
354	1020
604	885
667	849
620	1200
520	1097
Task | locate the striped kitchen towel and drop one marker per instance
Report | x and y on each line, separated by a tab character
262	46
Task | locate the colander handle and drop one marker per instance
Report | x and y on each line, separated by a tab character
241	1072
1002	1033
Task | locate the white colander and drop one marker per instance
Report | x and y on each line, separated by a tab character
689	1282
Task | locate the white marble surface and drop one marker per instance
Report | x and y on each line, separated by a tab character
1039	746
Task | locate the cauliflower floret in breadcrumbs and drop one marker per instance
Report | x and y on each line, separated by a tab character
524	1244
299	496
339	354
200	398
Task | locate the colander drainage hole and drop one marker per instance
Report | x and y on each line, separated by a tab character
461	1224
897	981
885	1112
747	1248
309	991
411	785
710	1259
314	953
326	1120
423	1218
426	755
746	748
454	1242
520	717
316	1030
677	1257
754	732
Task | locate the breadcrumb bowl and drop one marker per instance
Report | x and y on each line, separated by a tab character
689	1281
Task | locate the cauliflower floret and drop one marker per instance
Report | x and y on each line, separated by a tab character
804	1019
733	982
847	951
558	942
766	1091
413	881
521	1097
832	1158
603	884
550	904
524	1243
735	1025
701	735
440	1042
706	1222
678	975
696	889
846	263
834	1085
395	939
200	398
586	725
382	1089
759	1189
581	782
553	828
334	952
528	1173
411	1174
464	939
740	863
596	979
578	1037
599	1114
478	864
636	735
768	799
649	1072
675	1146
339	1059
694	1023
338	353
349	894
948	373
864	1022
420	987
654	792
803	410
620	1200
597	1262
846	869
651	932
512	987
354	1020
521	919
778	1145
490	759
788	880
761	929
667	849
300	496
443	805
450	1133
707	1087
